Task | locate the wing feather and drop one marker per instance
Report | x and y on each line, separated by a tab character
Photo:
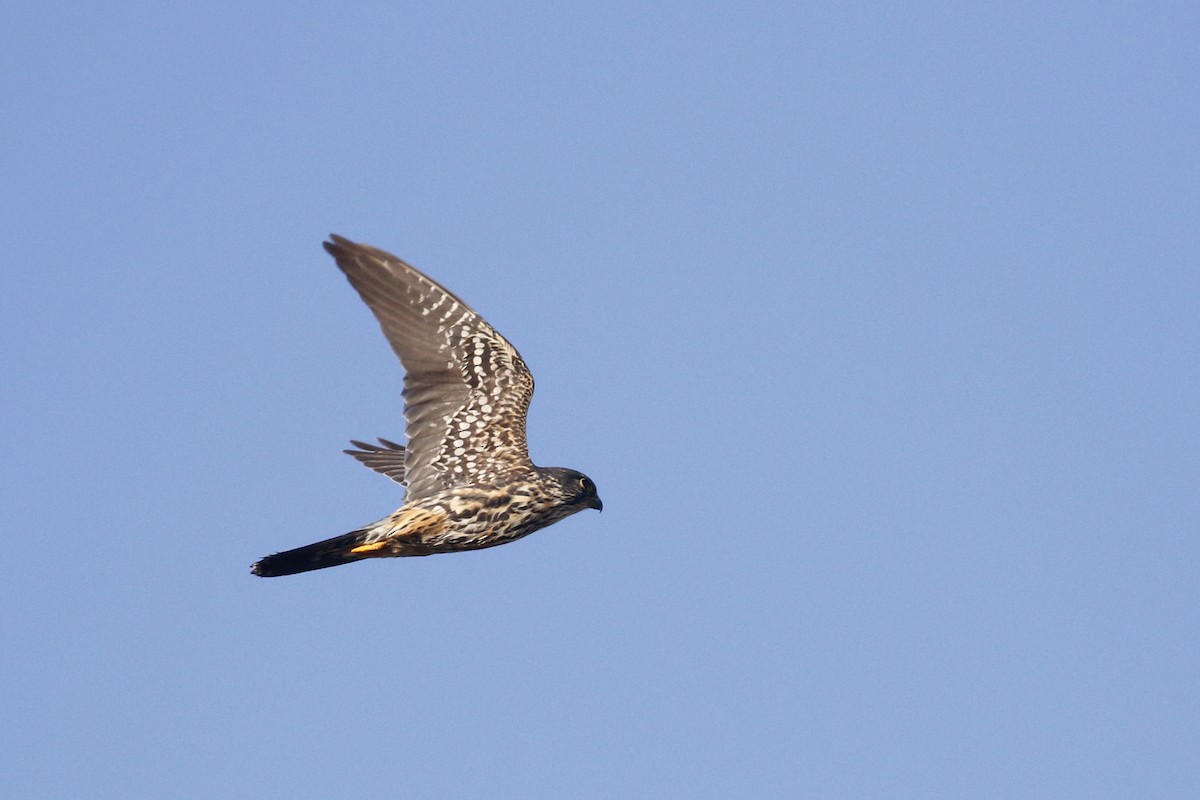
466	389
386	458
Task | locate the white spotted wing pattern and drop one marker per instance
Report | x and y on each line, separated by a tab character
466	389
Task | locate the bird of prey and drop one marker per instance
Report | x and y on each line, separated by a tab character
468	480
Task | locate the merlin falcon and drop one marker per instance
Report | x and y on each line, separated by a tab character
468	480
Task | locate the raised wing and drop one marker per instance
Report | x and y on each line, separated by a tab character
466	389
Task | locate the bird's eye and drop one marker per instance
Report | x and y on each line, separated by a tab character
585	483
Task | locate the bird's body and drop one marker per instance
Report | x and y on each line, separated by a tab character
466	468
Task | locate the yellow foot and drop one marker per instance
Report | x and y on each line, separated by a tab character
368	548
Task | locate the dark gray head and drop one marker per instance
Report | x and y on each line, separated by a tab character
577	488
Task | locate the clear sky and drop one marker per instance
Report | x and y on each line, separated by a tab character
877	325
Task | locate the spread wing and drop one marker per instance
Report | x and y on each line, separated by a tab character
466	389
386	458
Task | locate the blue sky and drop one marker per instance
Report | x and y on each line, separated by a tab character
877	327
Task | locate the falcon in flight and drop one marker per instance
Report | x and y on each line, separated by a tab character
468	480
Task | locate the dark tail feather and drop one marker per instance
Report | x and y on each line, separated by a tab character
329	553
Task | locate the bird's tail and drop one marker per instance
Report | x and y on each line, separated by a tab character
329	553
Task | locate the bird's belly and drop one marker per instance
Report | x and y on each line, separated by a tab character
478	525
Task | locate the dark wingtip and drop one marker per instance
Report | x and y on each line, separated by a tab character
384	446
337	244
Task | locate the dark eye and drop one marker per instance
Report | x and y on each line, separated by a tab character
585	483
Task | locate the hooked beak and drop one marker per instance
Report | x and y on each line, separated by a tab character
596	504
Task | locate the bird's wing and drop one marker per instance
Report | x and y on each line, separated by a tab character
466	389
386	458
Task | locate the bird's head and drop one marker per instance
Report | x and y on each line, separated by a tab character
577	488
